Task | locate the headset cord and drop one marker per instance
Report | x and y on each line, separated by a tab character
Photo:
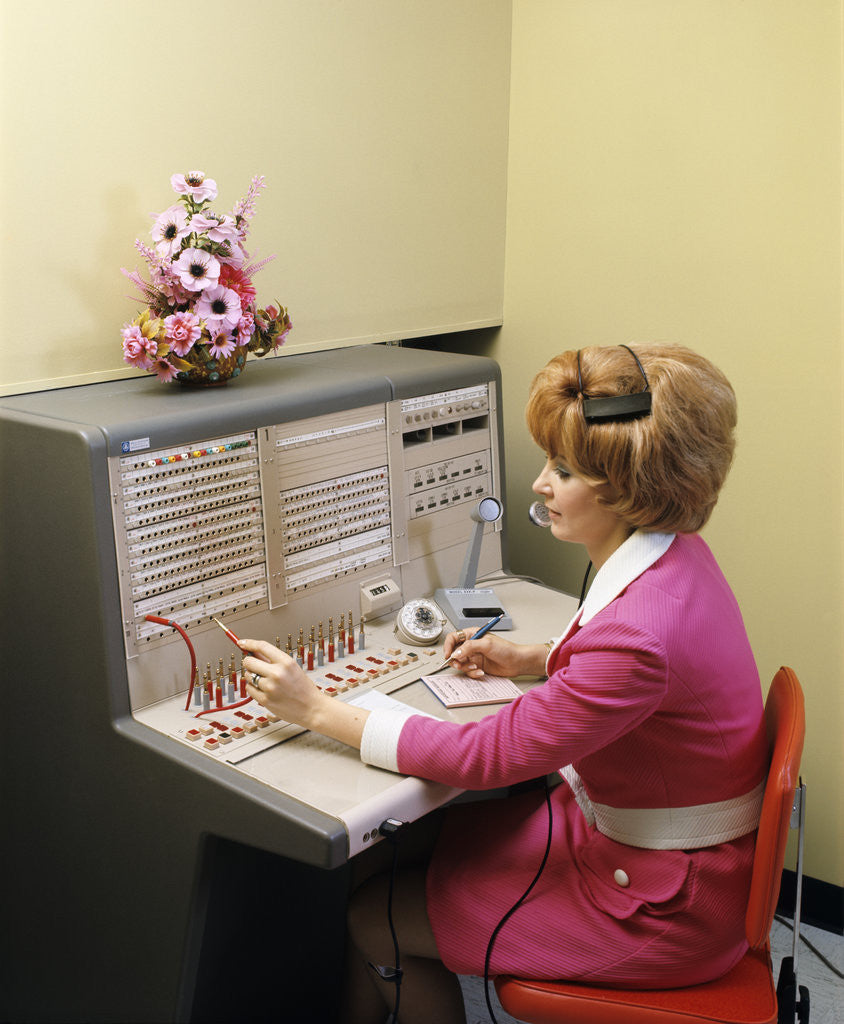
389	829
536	877
393	931
518	902
583	585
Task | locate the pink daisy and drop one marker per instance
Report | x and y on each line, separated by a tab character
222	345
197	269
182	330
220	308
195	184
232	277
163	370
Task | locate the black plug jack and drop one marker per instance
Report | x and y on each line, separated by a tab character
389	827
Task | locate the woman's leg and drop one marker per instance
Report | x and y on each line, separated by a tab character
429	991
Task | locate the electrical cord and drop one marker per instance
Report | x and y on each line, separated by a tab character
584	585
782	920
186	638
827	963
518	902
545	856
389	829
511	577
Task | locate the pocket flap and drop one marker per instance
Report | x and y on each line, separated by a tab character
621	879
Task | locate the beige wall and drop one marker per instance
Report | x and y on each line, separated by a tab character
675	174
381	129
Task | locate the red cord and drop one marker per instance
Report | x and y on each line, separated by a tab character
186	638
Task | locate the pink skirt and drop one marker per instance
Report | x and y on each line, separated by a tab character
601	911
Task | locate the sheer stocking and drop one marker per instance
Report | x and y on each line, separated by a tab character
429	991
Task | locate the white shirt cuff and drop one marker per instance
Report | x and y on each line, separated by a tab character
380	741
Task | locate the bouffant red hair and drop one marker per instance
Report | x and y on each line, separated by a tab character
661	471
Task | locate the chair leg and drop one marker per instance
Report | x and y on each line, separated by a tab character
792	1000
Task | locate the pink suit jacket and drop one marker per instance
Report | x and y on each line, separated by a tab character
656	701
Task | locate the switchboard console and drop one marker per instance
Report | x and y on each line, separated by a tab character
304	502
274	530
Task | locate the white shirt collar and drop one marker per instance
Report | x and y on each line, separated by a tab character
625	564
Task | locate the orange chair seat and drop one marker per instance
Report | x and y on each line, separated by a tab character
745	995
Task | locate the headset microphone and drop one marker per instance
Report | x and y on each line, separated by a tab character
539	515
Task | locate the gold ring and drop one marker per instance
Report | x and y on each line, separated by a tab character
462	635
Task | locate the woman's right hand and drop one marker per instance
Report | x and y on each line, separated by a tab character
493	655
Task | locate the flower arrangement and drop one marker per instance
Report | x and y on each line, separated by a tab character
202	315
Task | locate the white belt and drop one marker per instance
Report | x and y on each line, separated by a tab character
671	828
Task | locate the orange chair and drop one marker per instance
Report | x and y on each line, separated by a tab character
746	995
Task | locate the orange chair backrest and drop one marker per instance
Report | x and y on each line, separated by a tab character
786	726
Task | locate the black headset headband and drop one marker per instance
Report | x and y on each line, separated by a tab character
616	407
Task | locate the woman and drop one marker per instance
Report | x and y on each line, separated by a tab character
652	710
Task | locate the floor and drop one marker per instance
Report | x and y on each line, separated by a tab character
826	991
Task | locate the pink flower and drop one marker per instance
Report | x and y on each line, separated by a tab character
245	328
279	325
221	345
138	350
182	330
195	184
218	229
235	257
199	296
220	308
197	269
163	370
246	207
282	335
169	229
169	283
233	277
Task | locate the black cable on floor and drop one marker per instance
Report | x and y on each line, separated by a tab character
814	949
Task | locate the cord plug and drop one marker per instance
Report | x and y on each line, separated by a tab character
387	973
389	827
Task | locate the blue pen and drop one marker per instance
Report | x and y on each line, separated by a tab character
487	626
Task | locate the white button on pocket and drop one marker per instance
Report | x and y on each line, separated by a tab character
621	878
